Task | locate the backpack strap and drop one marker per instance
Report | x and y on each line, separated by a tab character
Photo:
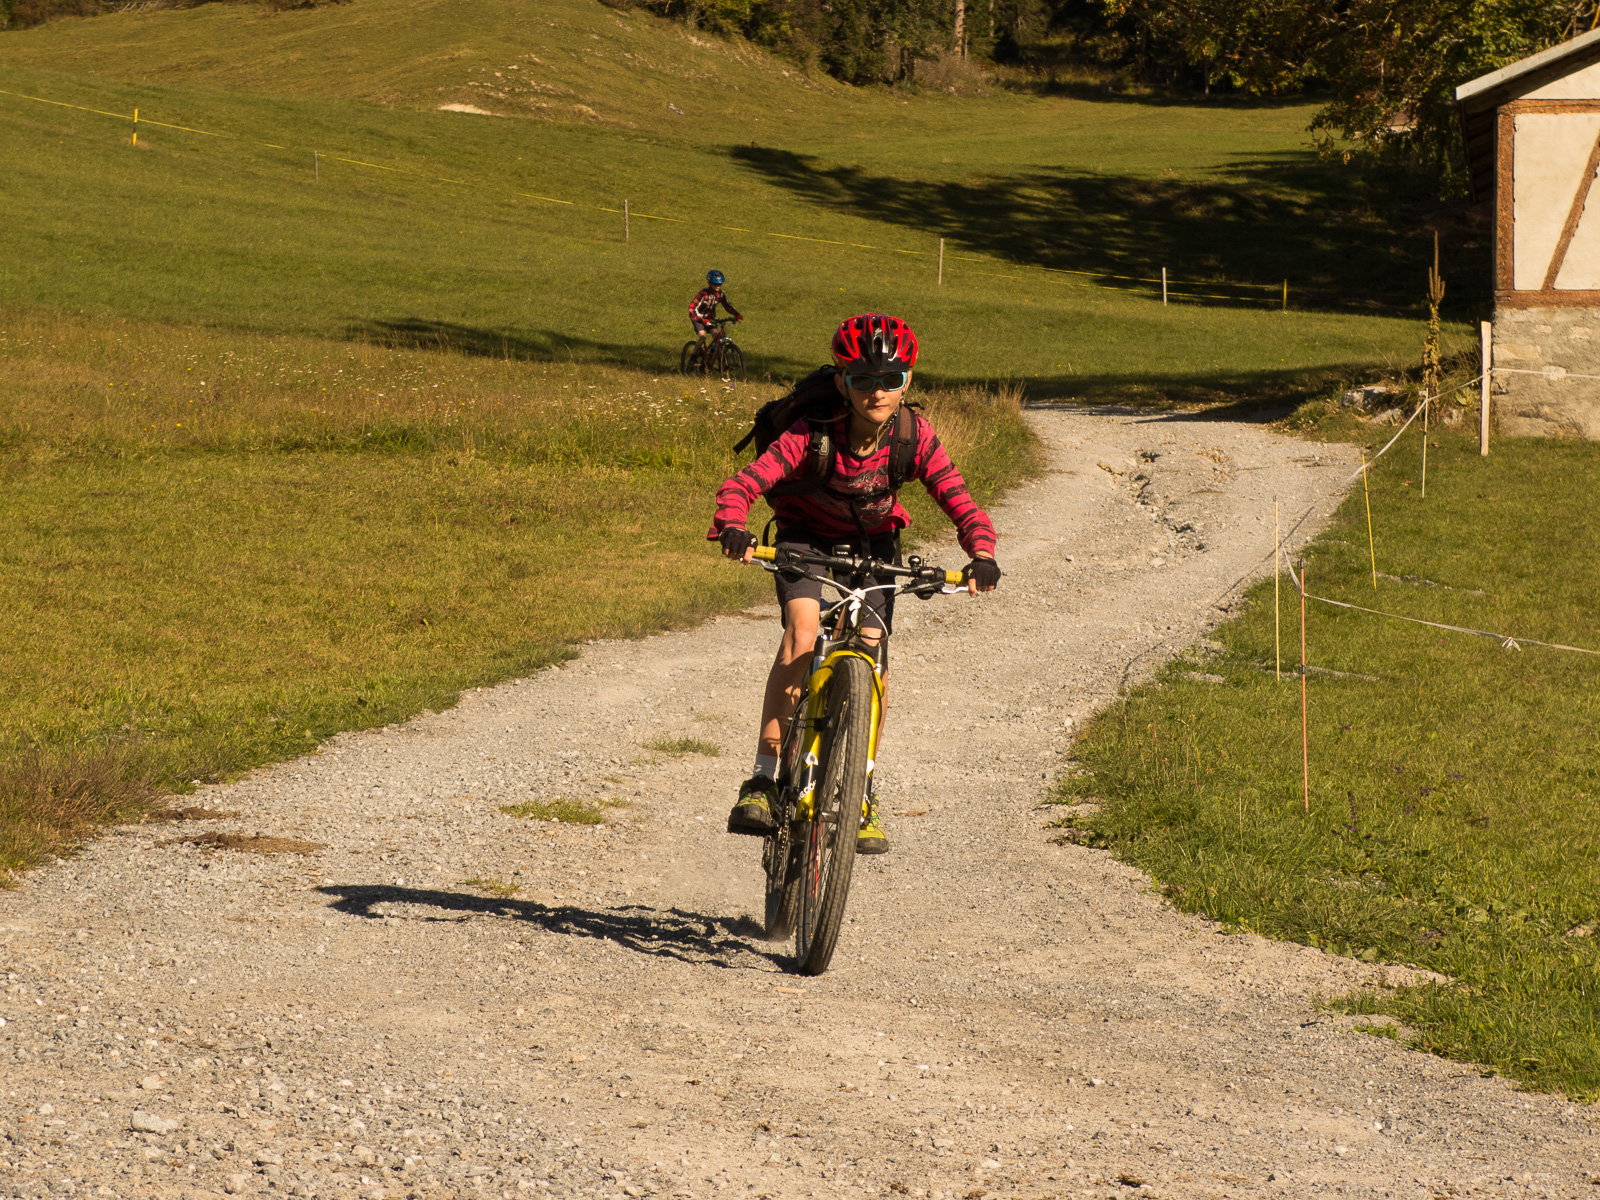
819	464
903	447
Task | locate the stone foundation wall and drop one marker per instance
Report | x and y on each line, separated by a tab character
1562	342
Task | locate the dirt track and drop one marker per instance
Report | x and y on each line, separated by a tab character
1004	1017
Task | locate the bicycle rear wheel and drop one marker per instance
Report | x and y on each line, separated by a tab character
828	841
732	362
692	361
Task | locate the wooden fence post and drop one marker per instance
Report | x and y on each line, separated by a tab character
1486	364
1305	735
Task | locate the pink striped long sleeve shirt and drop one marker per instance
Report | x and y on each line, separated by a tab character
861	482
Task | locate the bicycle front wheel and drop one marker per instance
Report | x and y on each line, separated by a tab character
828	840
732	362
781	862
692	362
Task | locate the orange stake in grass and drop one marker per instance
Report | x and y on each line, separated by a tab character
1305	736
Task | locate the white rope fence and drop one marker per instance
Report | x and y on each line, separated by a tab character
1507	641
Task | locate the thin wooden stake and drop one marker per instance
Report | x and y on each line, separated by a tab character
1425	402
626	233
1277	592
316	167
1285	295
1305	735
941	262
136	127
1486	365
1367	495
1163	285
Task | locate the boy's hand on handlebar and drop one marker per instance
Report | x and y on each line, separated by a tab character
982	575
739	543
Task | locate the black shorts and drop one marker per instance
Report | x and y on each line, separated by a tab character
885	546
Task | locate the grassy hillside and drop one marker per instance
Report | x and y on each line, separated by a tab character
200	229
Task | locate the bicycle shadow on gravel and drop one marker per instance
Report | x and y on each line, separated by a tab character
688	937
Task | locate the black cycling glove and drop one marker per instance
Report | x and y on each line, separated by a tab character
985	570
736	541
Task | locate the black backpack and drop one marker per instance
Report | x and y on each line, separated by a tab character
816	400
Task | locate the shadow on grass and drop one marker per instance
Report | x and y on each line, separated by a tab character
1233	394
1241	392
1346	238
671	933
539	345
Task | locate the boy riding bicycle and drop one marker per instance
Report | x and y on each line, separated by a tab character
703	308
834	480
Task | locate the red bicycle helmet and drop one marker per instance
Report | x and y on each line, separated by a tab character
875	343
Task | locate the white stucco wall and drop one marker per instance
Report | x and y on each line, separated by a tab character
1580	85
1550	153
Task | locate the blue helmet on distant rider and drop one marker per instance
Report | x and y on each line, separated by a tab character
714	278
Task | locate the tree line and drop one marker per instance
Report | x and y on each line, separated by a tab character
1385	69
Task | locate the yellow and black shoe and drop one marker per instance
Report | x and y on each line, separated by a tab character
871	839
753	814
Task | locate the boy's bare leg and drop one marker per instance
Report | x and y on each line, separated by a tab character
801	620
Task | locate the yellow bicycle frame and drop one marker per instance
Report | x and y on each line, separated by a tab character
816	709
817	704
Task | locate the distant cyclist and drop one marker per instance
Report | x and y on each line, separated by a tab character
703	308
866	443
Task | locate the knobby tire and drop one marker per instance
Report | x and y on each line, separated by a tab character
692	362
828	841
732	362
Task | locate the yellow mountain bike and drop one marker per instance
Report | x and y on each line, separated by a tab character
829	748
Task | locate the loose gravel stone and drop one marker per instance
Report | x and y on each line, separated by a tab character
596	1015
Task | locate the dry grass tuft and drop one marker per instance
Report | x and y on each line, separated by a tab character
156	815
568	812
51	798
684	745
494	887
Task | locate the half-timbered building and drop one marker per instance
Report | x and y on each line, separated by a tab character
1533	149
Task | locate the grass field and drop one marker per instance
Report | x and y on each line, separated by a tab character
220	549
1454	795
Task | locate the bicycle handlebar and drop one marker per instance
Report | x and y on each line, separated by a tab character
864	566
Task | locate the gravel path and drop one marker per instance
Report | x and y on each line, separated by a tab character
1005	1017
